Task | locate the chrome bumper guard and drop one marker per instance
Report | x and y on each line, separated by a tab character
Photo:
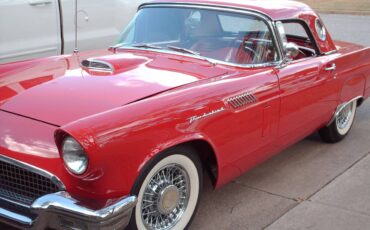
60	211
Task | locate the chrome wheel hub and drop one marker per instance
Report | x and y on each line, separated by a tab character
344	117
165	198
168	200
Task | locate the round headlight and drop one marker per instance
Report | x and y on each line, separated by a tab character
74	156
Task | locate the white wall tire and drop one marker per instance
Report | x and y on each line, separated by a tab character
158	195
345	118
341	125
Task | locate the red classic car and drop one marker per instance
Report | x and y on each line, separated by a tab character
122	137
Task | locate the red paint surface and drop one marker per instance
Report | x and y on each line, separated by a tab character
125	118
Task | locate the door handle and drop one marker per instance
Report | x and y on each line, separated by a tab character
39	2
331	68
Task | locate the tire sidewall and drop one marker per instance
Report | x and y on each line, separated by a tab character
340	133
184	154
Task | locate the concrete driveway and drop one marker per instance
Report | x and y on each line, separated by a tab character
311	185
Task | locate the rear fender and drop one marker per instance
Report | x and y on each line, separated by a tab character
352	88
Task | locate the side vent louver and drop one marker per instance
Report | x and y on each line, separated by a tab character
241	100
98	66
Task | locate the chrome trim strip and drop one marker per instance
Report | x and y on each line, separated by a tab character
90	60
209	60
14	202
277	42
200	5
257	14
21	220
331	52
34	169
61	205
342	106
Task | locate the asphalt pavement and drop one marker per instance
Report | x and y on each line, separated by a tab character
311	185
350	28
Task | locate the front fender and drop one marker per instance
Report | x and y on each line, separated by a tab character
121	141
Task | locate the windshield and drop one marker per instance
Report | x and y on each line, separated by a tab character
224	36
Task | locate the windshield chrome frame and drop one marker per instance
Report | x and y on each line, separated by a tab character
265	18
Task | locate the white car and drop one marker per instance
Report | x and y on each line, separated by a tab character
40	28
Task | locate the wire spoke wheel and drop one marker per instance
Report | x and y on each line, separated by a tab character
345	118
342	124
165	198
168	191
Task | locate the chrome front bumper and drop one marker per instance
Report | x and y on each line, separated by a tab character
61	211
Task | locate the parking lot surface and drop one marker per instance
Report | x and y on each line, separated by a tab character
311	185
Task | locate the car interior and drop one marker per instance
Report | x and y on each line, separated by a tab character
296	33
227	37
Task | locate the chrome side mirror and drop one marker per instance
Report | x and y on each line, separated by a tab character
291	50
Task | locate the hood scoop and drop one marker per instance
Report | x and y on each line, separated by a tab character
112	64
97	66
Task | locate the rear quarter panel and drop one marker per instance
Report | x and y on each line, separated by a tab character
353	71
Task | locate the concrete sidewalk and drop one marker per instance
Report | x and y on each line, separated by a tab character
343	204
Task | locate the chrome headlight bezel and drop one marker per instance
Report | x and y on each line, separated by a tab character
74	156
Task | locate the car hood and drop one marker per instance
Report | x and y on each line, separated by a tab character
58	91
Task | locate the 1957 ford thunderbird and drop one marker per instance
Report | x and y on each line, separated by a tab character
121	138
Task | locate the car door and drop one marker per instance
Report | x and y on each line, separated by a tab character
29	29
308	90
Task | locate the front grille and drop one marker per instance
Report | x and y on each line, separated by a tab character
23	186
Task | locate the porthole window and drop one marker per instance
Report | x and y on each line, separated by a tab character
320	29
